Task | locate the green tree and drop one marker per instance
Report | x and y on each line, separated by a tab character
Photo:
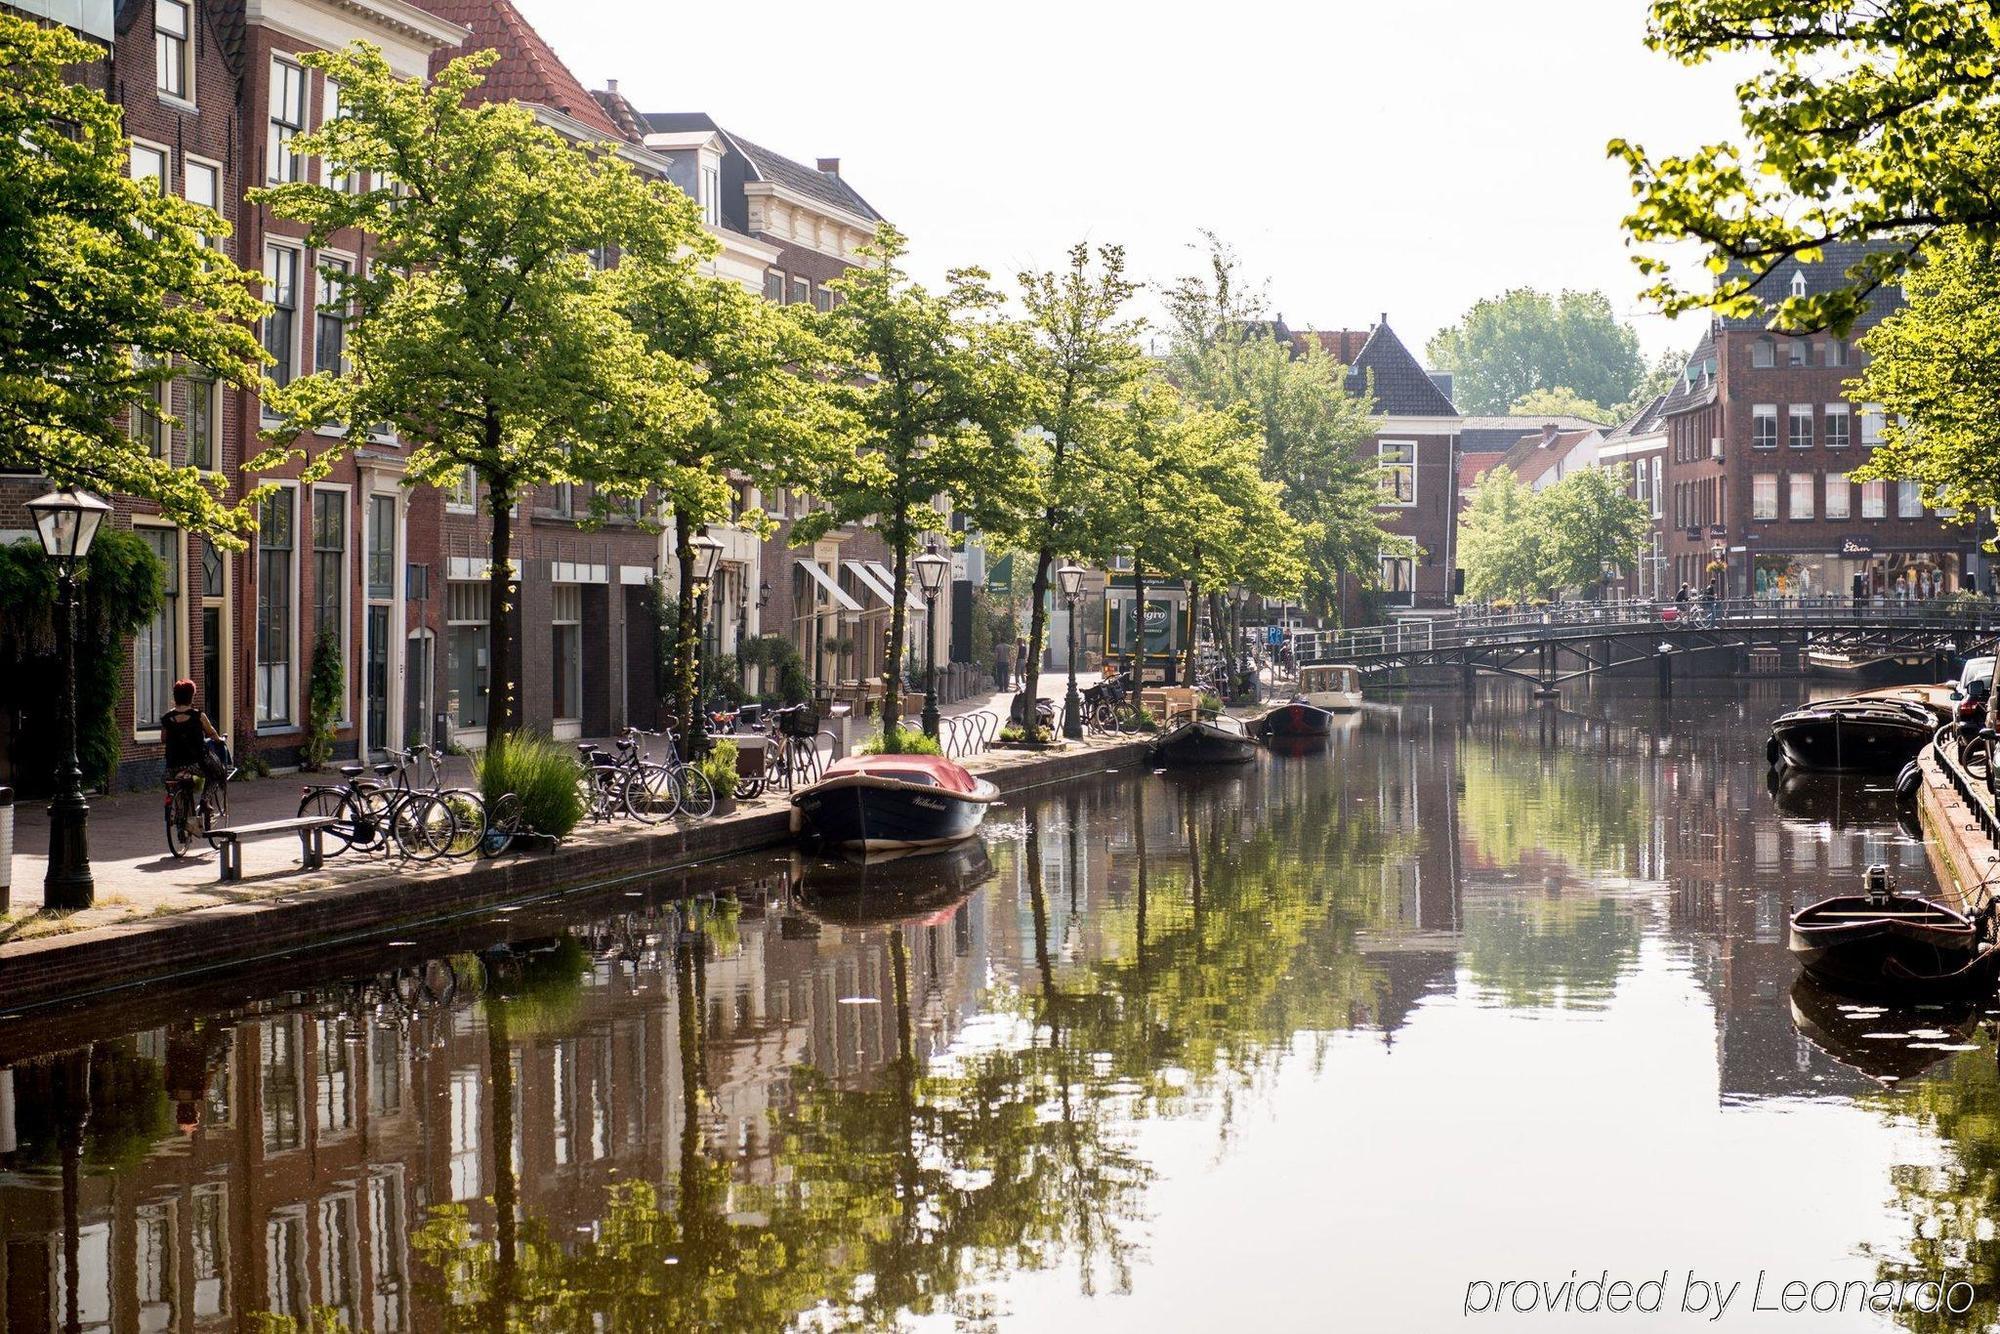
1221	353
1934	366
483	332
1523	340
1591	527
927	384
1560	402
108	289
1862	120
1079	360
768	419
1500	540
1659	380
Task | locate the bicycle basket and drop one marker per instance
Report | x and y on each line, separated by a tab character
801	721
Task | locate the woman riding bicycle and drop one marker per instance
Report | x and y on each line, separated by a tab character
186	732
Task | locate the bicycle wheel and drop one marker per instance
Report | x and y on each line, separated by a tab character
503	822
177	829
468	813
650	794
697	794
214	811
423	827
335	804
748	789
374	810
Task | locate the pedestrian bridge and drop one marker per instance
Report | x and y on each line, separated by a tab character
1560	643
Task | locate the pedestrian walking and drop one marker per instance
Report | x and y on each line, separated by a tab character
1020	664
1001	680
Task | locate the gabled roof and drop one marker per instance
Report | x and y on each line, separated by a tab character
528	69
1343	345
1535	454
622	113
1696	386
1402	387
1500	433
1648	420
824	187
1823	275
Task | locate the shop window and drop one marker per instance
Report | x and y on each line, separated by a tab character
466	669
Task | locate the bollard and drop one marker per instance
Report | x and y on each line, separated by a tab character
6	850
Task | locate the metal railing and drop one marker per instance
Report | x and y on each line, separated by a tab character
1968	787
1469	626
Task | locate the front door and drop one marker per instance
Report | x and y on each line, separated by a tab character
417	690
375	678
212	684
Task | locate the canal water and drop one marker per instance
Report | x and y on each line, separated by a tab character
1475	996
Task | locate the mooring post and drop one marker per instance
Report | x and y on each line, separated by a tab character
1666	668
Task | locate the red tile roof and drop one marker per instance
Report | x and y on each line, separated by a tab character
1472	467
528	70
1343	345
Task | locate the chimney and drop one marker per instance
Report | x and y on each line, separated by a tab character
611	86
830	165
1385	317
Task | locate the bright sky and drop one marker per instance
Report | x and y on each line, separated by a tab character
1407	156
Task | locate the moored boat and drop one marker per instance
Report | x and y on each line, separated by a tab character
874	803
1295	721
1882	942
1852	733
883	888
1334	687
1194	742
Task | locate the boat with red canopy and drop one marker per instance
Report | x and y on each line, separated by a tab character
874	803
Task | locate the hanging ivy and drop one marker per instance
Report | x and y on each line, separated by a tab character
122	588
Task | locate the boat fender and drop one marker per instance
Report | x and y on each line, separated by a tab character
1908	781
1772	750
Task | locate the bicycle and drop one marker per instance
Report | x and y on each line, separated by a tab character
369	815
194	802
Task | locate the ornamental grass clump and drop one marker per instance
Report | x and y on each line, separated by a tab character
719	767
908	742
542	773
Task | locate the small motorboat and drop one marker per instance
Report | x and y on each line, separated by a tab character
1882	942
875	803
1852	733
1295	721
1193	742
1334	687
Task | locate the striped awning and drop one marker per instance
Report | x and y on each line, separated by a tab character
830	584
869	580
911	597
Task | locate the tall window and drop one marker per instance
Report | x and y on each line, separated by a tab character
1837	491
1399	576
1909	500
468	675
274	606
1659	464
1801	423
381	546
288	121
173	60
1764	426
1763	354
1872	420
1874	500
329	539
156	647
567	655
150	411
204	426
711	196
464	494
1397	462
348	182
1833	352
1799	353
1764	496
1837	423
330	317
1802	495
202	184
774	286
802	291
281	326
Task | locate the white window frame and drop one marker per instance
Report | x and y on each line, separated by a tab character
349	182
187	38
264	726
1839	412
1763	353
1873	419
468	488
1385	499
1403	554
1793	492
1794	414
566	610
281	165
1760	484
796	298
1759	414
1875	496
346	621
1909	500
320	260
298	254
1659	469
191	164
1838	488
214	417
143	728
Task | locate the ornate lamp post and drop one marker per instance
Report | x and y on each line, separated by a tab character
1069	579
707	557
931	569
66	522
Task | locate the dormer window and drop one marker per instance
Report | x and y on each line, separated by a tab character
711	195
1798	282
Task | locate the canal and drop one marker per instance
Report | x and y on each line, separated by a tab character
1480	994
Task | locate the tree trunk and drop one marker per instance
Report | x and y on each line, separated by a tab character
1138	663
892	670
683	670
506	1189
1194	628
1038	629
503	702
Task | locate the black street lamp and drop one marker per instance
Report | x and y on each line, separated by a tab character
1070	579
66	521
707	557
931	569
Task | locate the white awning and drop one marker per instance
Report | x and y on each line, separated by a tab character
868	580
830	584
911	598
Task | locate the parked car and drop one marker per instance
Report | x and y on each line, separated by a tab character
1976	670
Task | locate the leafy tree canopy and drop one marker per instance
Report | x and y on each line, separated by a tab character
1862	119
1522	340
1560	402
108	290
1498	540
1520	543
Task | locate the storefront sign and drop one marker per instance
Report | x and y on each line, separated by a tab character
1857	546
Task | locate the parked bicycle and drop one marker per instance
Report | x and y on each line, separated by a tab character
628	781
377	814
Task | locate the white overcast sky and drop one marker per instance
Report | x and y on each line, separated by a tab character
1407	156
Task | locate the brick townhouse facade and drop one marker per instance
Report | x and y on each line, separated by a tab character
1761	436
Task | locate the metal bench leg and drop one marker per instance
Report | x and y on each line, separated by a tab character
309	848
232	860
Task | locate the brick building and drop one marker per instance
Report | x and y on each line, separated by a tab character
1761	436
1639	445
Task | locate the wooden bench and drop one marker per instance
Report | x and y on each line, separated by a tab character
309	828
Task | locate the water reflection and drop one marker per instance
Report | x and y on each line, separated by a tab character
977	1086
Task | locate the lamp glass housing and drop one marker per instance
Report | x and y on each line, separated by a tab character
707	557
931	568
66	523
1070	579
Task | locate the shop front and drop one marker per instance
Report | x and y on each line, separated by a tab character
1855	568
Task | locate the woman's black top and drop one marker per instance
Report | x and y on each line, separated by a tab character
183	733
